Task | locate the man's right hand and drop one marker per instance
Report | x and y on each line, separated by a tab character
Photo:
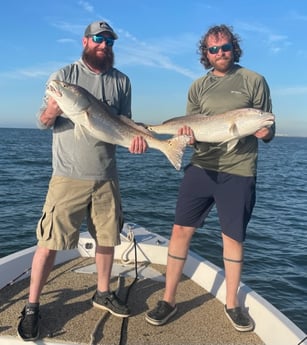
50	114
138	145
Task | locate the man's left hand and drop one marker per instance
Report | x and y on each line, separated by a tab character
138	145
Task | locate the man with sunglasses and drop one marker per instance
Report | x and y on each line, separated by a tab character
84	181
216	176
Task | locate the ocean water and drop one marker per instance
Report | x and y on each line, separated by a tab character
275	263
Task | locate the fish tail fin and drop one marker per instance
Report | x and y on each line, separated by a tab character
175	148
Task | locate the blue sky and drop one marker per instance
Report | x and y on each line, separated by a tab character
157	49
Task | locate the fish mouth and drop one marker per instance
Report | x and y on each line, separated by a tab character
269	121
272	117
269	117
54	90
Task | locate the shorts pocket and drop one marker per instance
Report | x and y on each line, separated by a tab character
45	224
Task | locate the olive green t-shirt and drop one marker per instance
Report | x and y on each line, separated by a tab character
212	95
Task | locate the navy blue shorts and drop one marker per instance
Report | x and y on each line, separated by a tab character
233	195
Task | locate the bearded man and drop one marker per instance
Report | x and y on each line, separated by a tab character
218	177
84	182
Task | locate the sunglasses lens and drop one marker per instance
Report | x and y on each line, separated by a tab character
225	48
99	39
214	50
109	41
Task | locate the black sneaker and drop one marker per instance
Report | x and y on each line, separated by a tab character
110	302
241	322
28	327
161	313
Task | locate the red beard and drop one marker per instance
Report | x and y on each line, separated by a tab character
103	63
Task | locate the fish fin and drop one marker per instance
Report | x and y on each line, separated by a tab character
131	123
186	118
175	148
233	130
80	126
79	132
231	144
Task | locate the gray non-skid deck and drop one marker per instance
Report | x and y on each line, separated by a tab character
68	316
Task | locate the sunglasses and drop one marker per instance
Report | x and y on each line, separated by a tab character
215	49
99	39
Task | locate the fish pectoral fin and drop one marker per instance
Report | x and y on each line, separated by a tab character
81	122
81	119
233	130
132	124
79	132
231	144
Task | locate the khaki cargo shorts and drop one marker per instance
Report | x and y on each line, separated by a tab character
69	202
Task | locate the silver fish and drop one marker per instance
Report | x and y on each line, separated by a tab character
228	127
95	117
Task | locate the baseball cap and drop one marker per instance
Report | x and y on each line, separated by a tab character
97	27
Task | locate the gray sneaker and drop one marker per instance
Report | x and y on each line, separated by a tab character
161	313
240	321
110	302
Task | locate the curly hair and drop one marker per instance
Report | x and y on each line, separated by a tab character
219	30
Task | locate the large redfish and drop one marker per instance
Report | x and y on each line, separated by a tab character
228	127
95	117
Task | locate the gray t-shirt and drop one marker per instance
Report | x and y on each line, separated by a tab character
212	95
86	157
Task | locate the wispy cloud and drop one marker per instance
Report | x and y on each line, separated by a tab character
66	40
86	6
158	54
137	52
162	53
276	42
297	16
289	91
130	52
67	27
32	72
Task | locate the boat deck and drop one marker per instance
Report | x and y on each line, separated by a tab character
68	316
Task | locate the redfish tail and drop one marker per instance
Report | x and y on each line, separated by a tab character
174	149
